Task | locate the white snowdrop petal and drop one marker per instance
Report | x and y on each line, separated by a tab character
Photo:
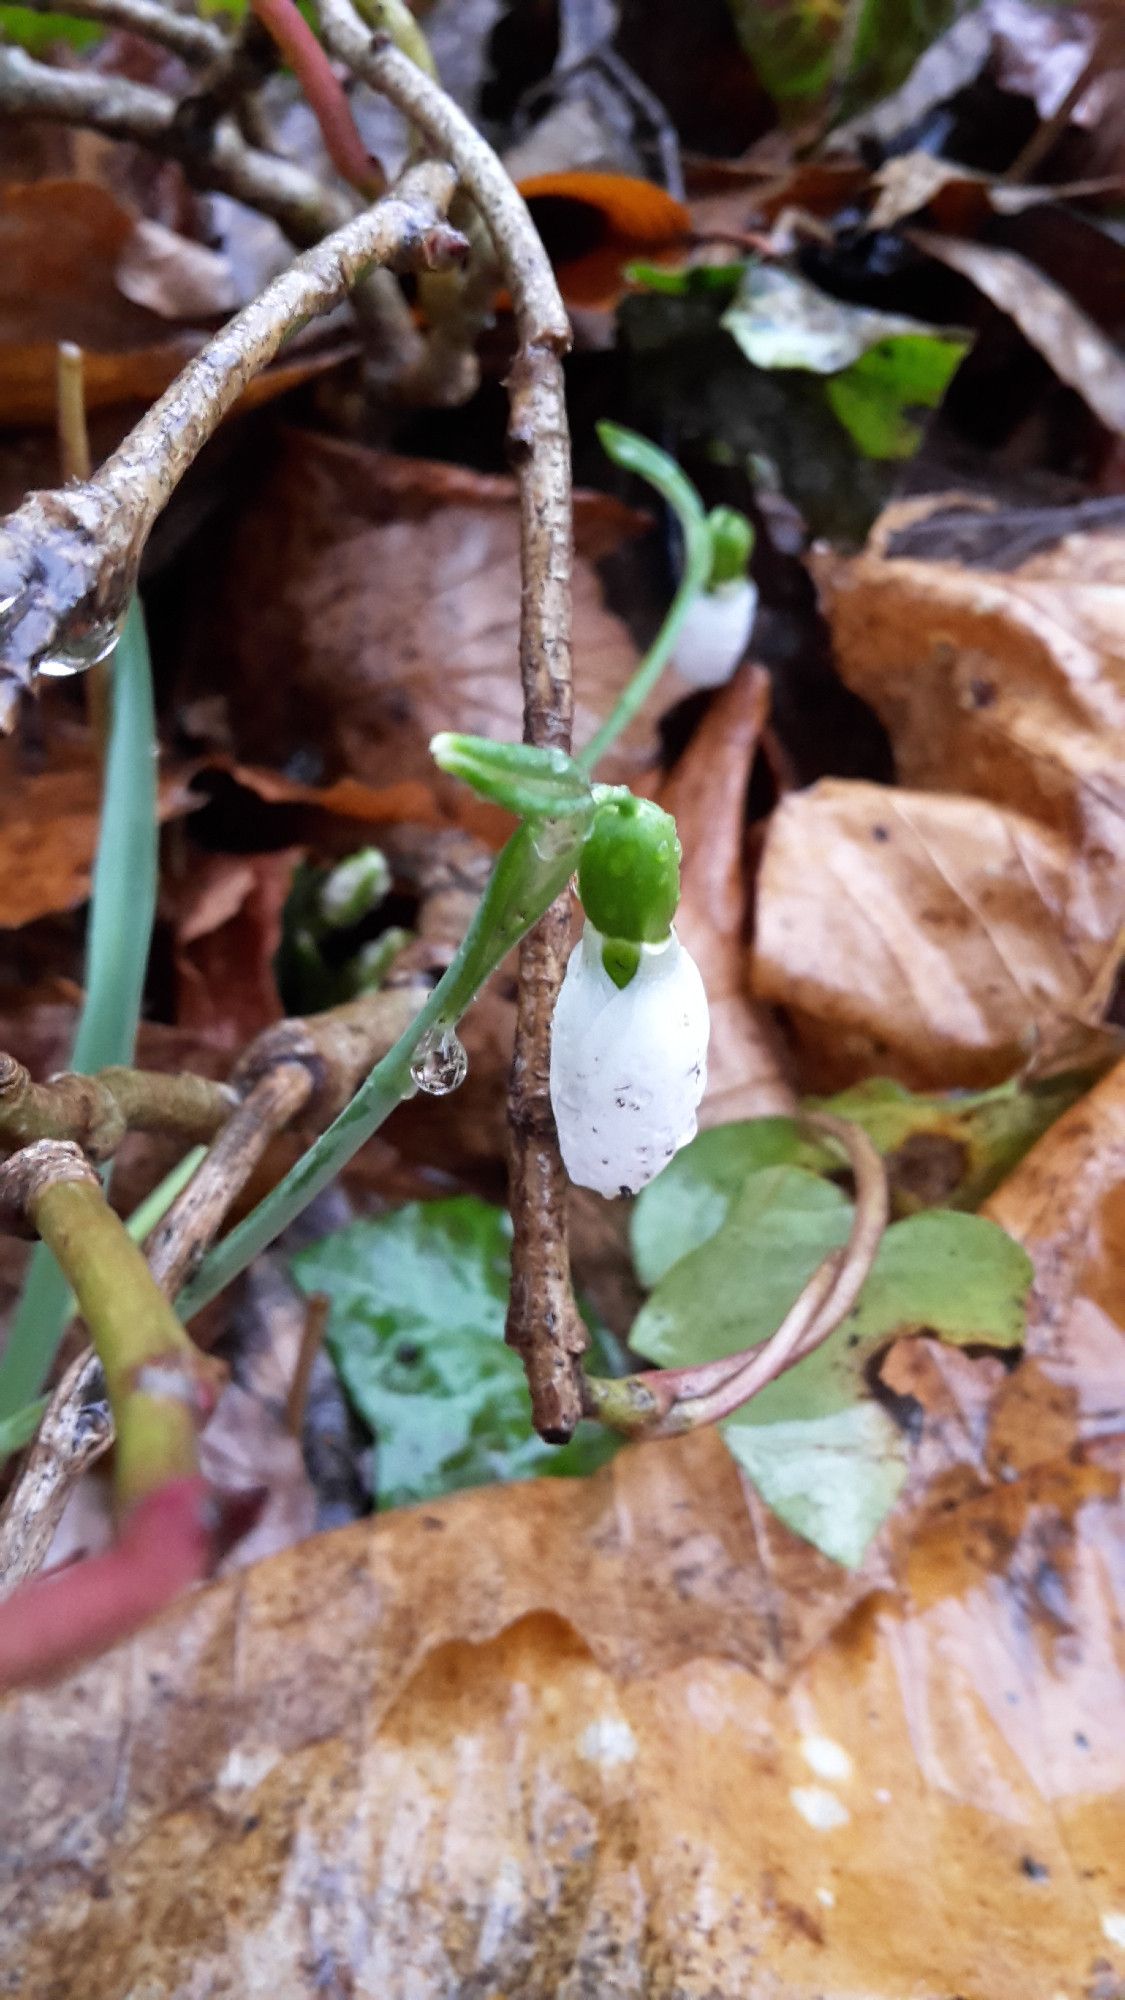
715	632
628	1064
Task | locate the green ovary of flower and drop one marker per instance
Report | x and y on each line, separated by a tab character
629	878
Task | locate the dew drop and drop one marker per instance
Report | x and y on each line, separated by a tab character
77	655
441	1063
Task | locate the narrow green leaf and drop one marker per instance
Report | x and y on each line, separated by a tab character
119	933
20	1427
416	1328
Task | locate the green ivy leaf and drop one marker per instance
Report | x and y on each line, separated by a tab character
686	1203
874	397
826	1456
417	1331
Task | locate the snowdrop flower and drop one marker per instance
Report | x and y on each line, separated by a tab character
718	623
628	1064
629	1039
715	633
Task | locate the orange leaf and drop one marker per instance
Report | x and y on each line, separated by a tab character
594	223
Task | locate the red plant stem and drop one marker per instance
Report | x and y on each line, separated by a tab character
54	1623
325	93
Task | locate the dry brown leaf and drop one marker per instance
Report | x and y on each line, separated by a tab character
1063	334
1065	1204
60	244
948	939
517	1743
707	795
1008	685
959	199
934	938
226	917
370	601
49	830
173	277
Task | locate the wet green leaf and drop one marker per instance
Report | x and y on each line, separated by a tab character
880	366
417	1331
690	1200
40	33
19	1429
952	1148
535	783
825	1454
874	398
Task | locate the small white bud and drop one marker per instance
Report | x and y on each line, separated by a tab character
715	633
628	1064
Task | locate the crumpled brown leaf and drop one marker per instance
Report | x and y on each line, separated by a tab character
369	601
522	1742
1065	1204
49	828
946	933
226	917
931	937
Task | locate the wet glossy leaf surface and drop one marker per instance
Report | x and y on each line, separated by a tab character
417	1331
829	1460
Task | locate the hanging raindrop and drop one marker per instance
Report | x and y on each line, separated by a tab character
441	1064
76	656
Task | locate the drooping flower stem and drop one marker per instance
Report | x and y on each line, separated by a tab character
532	870
637	455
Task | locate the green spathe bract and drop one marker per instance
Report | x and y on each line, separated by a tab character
732	544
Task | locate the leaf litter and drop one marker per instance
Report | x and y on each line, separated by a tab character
829	1704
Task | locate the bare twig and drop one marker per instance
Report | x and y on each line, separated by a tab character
212	157
327	1054
317	1308
96	1111
544	1323
197	41
73	1435
666	1402
180	1239
69	559
160	1387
